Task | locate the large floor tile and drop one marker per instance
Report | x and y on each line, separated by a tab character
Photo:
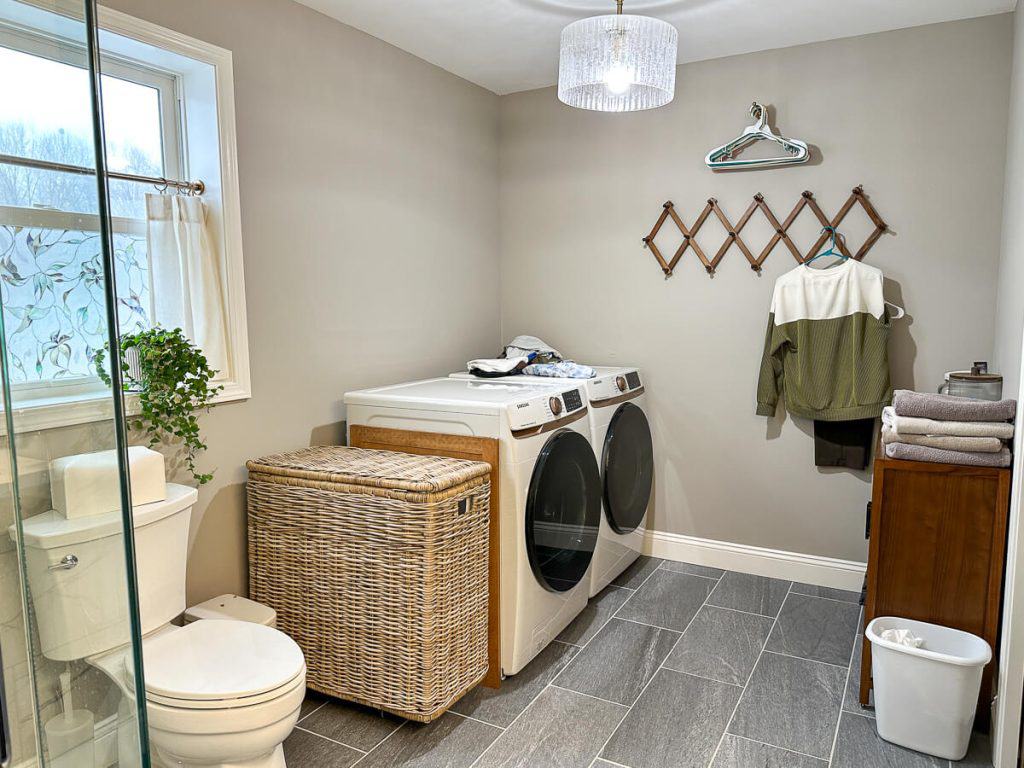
744	753
600	608
667	599
830	592
561	729
311	703
450	741
859	746
306	750
791	703
721	644
637	572
351	724
754	594
676	723
851	701
500	706
815	628
980	753
619	661
693	569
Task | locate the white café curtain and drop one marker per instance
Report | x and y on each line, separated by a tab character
189	291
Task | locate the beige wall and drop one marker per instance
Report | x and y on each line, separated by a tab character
369	222
1010	302
918	116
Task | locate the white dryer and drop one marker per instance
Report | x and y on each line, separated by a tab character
549	497
622	442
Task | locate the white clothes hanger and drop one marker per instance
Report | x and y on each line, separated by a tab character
722	158
900	311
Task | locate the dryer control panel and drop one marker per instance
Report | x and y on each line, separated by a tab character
615	385
545	408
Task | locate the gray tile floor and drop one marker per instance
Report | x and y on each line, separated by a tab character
674	665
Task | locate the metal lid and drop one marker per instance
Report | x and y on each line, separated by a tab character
978	378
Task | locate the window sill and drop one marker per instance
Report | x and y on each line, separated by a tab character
68	411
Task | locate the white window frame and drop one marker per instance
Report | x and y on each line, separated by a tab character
202	107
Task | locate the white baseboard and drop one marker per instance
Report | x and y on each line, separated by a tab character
776	563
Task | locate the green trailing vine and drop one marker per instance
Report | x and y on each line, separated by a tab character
173	384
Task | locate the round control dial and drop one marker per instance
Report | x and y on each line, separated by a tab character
556	406
620	382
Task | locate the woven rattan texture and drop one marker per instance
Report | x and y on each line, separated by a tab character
384	590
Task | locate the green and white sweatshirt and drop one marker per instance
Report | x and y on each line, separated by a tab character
827	344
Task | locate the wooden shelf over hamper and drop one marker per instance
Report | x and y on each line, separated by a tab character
938	546
377	565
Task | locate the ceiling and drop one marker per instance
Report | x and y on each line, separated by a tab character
512	45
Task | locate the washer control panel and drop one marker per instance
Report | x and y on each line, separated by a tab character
614	385
544	408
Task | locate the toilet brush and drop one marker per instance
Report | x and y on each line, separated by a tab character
69	735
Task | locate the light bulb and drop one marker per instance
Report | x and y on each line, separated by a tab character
618	78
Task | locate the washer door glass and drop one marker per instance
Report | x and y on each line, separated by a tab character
628	468
563	511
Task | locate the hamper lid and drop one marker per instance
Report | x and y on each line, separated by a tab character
366	467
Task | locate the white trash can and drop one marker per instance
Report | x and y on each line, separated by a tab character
925	698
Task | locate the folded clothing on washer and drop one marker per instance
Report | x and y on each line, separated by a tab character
565	369
491	368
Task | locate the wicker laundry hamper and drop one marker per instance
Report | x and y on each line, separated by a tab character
376	563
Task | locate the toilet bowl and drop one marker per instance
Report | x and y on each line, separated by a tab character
219	694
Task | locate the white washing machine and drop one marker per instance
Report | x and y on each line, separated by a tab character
621	436
550	489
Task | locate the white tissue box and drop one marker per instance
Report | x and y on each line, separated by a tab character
88	483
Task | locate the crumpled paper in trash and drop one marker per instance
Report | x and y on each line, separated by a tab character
902	637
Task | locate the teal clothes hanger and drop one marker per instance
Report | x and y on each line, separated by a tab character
831	250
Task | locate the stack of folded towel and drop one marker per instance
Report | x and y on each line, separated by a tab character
919	426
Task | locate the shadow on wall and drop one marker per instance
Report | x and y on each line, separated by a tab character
902	347
218	562
328	434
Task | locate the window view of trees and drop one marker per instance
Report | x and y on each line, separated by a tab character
51	278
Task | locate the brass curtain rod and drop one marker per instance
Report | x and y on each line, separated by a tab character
194	187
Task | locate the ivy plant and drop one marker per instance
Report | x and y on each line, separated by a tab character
172	381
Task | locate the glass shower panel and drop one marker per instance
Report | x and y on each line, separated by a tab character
69	627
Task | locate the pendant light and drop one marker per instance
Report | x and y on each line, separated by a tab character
617	63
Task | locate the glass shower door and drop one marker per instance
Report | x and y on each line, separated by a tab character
69	625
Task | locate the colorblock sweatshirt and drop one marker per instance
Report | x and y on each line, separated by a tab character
826	346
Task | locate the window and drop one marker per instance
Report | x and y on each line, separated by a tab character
168	113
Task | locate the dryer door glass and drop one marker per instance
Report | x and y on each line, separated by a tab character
628	468
563	511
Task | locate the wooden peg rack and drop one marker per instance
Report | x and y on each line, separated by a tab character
781	231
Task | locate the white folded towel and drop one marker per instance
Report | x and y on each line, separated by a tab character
915	425
945	442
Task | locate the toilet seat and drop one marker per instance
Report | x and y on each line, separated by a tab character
221	664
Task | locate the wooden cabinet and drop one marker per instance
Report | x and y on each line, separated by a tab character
938	544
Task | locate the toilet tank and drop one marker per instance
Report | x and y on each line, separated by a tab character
76	574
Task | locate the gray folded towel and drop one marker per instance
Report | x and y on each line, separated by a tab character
945	442
949	408
911	425
922	453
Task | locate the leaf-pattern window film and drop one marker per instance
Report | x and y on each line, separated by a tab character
51	289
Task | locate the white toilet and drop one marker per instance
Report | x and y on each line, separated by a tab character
219	693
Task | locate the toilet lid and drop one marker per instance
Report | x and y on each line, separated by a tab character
220	659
